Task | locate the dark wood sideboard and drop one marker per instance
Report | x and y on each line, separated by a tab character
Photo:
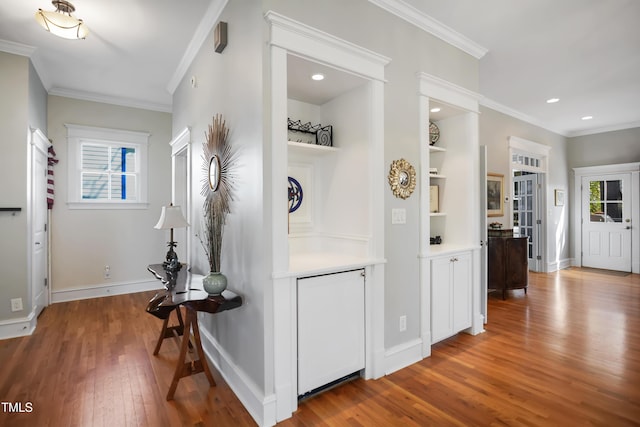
508	261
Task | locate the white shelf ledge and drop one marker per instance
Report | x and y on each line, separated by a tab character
437	176
301	147
434	149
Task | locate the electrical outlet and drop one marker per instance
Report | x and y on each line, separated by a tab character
16	304
403	323
107	272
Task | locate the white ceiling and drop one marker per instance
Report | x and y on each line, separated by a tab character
585	52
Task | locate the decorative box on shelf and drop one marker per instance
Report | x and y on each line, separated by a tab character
307	133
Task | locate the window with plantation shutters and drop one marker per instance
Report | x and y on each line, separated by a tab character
107	168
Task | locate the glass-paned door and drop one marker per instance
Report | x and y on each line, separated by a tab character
525	217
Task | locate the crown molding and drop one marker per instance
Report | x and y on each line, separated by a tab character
202	31
306	41
16	48
108	99
489	103
612	128
431	26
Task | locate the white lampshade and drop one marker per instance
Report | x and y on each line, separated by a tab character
61	23
171	217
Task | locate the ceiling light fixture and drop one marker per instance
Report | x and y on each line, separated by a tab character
552	100
587	118
435	110
61	23
318	77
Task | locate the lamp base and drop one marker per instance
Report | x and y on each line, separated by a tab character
172	263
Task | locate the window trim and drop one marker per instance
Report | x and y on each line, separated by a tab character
76	135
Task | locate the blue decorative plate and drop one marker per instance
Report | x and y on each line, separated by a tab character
295	194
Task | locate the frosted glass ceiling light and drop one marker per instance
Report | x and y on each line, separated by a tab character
61	23
318	77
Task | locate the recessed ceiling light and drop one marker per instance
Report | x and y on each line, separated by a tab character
552	100
318	77
587	118
435	110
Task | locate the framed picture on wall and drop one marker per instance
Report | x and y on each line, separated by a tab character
495	194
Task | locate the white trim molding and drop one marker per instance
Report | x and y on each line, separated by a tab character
76	136
109	99
16	48
18	327
305	41
105	290
436	28
199	37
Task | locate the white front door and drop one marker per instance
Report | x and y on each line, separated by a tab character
39	240
606	221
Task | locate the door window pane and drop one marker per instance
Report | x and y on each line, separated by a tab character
605	201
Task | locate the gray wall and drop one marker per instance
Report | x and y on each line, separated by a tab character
495	129
14	122
84	241
231	84
608	148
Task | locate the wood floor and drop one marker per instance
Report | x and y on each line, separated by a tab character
565	354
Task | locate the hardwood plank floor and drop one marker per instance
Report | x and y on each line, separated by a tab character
567	353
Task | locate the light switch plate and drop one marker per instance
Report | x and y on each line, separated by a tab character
398	216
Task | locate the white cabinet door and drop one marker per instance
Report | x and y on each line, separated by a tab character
450	295
331	335
441	318
461	287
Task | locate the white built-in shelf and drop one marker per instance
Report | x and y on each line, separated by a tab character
437	214
436	175
301	147
434	149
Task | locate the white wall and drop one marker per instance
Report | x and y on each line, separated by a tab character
84	241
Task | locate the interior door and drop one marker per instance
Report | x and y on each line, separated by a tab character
39	241
606	222
484	256
525	214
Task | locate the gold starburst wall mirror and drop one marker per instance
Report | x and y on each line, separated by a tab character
402	178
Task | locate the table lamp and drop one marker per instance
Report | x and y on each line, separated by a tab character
171	217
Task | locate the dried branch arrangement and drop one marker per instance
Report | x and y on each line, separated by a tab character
217	188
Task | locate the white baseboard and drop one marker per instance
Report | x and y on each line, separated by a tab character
262	408
559	265
18	327
403	355
104	290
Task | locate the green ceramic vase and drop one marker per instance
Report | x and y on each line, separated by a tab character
214	283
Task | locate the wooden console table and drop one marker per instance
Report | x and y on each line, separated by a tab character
182	289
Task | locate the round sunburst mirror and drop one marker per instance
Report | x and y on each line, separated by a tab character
402	178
